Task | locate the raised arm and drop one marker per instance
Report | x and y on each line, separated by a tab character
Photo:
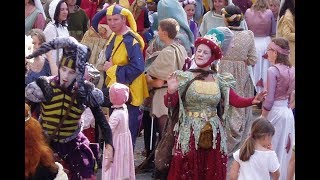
241	102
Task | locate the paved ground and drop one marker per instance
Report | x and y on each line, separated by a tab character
140	146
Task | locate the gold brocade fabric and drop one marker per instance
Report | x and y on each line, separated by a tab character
202	98
202	87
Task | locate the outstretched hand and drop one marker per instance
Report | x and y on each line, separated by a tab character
259	97
173	83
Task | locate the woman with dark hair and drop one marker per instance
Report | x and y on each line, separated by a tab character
276	107
57	27
39	158
238	60
200	148
286	26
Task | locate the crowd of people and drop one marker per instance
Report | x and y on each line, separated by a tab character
185	74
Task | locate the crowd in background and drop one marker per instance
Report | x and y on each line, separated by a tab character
209	62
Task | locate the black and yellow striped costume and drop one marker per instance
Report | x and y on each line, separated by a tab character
53	111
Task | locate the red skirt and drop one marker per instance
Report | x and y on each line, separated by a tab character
198	164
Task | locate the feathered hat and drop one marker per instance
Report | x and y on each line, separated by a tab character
213	40
228	38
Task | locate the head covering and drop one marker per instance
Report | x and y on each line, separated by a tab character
213	39
52	8
199	11
215	35
123	3
117	9
186	2
279	49
119	94
68	62
232	13
228	38
172	9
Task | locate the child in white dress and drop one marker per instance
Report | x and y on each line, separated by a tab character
255	160
123	160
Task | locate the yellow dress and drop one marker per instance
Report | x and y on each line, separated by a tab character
286	29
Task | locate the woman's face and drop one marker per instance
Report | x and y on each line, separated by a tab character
63	12
202	55
219	4
272	55
36	42
152	6
190	10
274	8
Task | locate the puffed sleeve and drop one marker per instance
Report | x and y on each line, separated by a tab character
183	78
273	162
226	81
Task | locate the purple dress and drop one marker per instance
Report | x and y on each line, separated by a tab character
194	28
280	84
